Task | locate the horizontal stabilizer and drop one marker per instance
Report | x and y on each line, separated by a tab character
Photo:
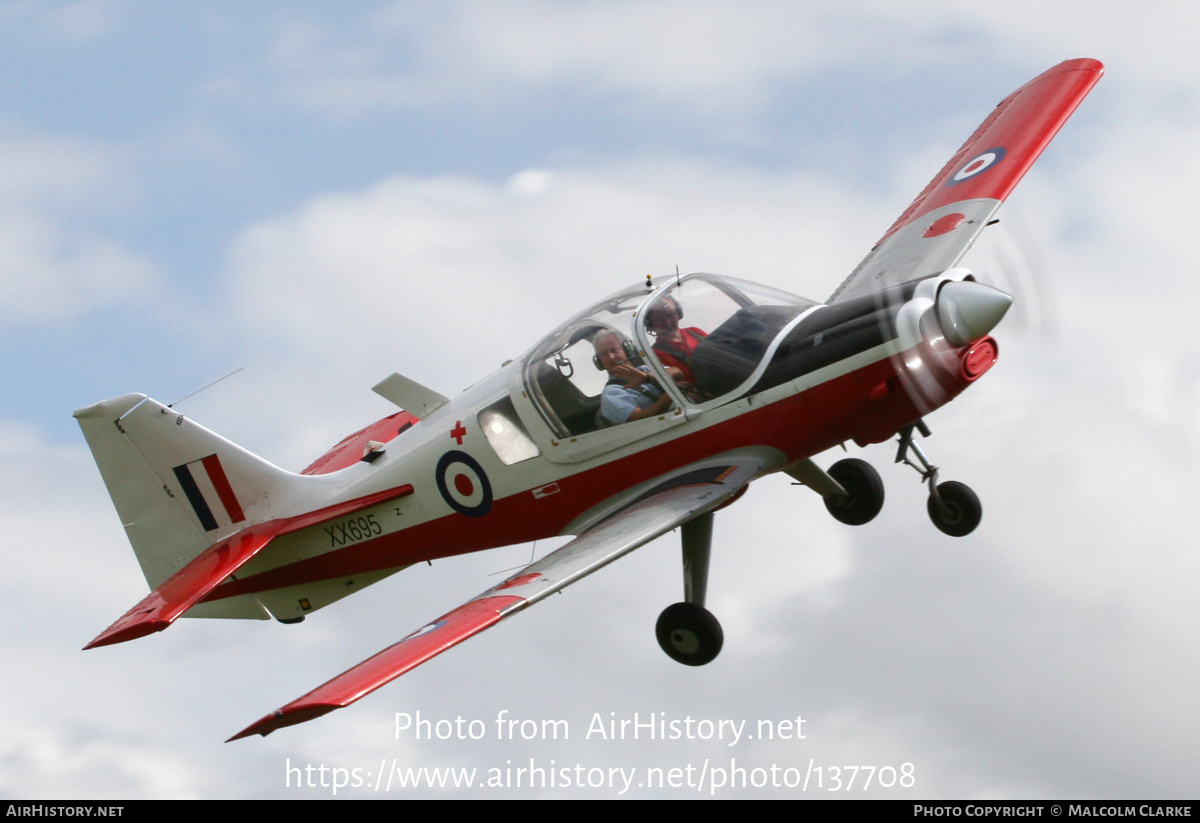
663	506
409	394
215	564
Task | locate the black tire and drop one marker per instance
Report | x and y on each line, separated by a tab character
864	492
958	512
689	634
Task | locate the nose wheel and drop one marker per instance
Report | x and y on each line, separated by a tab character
953	507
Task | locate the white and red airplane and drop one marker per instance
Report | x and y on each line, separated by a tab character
620	425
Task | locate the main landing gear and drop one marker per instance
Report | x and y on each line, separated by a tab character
953	507
852	489
687	631
862	497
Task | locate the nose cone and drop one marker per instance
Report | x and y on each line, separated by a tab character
967	310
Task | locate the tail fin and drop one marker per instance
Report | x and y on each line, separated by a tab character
178	487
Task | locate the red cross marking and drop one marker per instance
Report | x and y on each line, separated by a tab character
458	432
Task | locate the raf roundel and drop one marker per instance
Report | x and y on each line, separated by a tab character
977	165
463	484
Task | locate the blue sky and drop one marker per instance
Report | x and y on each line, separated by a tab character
325	195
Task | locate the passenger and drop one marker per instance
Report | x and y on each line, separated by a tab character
673	345
631	393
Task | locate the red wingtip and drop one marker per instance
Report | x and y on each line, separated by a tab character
121	631
283	717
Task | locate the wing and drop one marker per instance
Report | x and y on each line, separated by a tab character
941	224
211	567
666	505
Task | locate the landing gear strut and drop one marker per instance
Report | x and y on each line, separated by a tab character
687	631
953	507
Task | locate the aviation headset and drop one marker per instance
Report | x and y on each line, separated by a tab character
626	345
666	299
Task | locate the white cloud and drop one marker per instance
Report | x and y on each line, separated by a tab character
54	262
87	20
62	762
712	57
712	60
70	24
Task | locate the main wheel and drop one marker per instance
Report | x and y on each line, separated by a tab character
864	492
689	634
958	511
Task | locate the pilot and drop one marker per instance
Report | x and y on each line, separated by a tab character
631	393
673	345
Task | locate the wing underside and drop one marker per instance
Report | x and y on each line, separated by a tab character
943	222
665	505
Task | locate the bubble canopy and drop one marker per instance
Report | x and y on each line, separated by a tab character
701	339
